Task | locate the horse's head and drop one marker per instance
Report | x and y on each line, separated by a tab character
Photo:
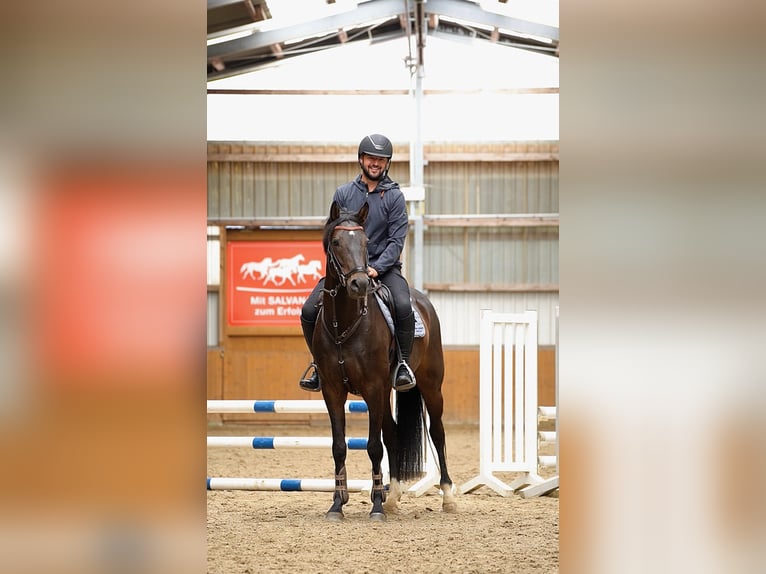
345	243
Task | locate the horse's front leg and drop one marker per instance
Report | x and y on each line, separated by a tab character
375	452
340	496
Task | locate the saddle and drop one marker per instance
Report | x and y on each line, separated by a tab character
386	304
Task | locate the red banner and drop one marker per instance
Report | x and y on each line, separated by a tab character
268	281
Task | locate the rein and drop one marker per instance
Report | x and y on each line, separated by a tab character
340	338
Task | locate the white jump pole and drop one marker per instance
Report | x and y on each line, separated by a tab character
429	480
279	406
285	484
282	442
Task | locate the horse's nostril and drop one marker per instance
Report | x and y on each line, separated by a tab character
359	285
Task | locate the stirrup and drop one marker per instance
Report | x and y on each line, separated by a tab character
311	383
403	386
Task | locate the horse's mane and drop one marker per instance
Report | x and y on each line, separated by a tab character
331	224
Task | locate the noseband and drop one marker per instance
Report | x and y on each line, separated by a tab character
342	277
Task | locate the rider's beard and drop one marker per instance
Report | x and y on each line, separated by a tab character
369	176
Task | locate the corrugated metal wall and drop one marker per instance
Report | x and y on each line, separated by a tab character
492	256
459	313
465	268
280	180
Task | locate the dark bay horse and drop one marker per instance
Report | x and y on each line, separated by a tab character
354	350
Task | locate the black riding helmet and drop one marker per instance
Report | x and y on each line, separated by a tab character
376	145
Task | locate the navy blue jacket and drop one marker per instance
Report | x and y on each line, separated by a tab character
387	224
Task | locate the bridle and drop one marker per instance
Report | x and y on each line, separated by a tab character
340	337
343	277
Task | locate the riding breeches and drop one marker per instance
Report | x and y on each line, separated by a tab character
400	292
310	309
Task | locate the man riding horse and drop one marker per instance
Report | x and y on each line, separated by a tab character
386	227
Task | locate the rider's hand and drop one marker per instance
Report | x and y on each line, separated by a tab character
372	272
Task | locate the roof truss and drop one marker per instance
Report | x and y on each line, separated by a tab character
248	48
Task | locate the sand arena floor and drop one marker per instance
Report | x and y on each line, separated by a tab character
252	532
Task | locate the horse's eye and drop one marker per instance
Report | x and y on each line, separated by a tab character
335	242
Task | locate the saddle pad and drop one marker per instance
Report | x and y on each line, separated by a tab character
420	329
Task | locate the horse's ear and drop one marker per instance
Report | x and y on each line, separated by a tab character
362	213
334	211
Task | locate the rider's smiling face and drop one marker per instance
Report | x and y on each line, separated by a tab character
373	167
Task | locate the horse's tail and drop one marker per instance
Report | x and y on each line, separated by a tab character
409	434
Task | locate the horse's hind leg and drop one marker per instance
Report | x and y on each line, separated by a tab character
445	482
435	405
391	504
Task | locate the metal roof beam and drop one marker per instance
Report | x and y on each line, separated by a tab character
255	11
364	14
502	41
264	60
212	4
468	11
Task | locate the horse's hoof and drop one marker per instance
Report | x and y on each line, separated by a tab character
334	517
377	517
450	507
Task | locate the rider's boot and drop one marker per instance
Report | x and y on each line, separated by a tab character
404	379
309	383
